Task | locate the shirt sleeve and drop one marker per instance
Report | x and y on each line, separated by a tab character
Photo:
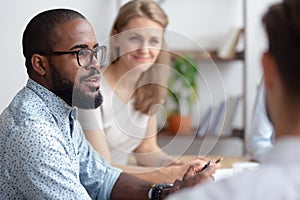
90	119
96	174
260	136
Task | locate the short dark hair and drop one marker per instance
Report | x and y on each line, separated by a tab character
40	33
283	29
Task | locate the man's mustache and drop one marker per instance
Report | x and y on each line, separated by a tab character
92	72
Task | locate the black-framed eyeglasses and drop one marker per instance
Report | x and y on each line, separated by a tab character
85	56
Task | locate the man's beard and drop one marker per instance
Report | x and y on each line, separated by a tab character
74	96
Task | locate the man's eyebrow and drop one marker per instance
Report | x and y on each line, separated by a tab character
83	46
79	46
96	45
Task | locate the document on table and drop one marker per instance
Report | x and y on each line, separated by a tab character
238	167
223	173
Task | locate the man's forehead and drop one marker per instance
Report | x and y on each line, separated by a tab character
74	27
75	32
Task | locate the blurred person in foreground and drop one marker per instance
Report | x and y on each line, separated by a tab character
278	175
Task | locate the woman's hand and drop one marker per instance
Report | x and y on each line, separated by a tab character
170	161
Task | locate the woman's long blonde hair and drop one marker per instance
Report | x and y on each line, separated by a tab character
151	86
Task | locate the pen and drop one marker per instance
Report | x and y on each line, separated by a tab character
219	160
206	165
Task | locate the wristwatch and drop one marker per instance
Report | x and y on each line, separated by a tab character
156	190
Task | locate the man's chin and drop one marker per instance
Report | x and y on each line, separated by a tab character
87	101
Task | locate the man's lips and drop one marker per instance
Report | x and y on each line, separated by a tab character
92	81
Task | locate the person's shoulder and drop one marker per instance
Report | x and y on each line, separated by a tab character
25	112
23	121
27	104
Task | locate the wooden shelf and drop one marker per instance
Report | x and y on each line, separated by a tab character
193	133
203	56
190	144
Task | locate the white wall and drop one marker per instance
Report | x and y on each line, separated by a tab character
207	22
204	21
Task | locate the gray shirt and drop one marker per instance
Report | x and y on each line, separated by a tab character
277	178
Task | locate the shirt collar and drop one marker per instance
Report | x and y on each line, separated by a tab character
55	104
286	149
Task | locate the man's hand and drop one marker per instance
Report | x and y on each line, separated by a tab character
194	176
179	167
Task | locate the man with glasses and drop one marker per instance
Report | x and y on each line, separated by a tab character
43	152
85	56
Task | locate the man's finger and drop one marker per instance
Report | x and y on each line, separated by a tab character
203	176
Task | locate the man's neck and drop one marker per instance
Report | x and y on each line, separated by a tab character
287	125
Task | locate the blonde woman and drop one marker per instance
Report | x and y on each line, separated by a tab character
133	87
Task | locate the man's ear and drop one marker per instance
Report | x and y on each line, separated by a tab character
269	69
39	64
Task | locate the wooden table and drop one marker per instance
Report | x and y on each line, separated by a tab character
226	162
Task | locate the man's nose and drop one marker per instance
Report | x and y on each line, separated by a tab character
95	63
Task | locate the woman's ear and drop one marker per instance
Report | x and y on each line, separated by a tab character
114	38
39	64
114	32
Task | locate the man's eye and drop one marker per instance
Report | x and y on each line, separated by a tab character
83	52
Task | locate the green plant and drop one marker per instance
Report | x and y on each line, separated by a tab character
182	85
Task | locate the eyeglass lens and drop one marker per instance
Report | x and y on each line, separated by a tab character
85	56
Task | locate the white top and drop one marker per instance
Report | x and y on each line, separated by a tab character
124	127
260	136
276	178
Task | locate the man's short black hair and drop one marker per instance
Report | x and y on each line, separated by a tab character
40	33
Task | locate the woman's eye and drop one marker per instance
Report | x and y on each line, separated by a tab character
154	42
135	39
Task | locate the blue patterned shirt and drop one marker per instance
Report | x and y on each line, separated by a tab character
44	154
